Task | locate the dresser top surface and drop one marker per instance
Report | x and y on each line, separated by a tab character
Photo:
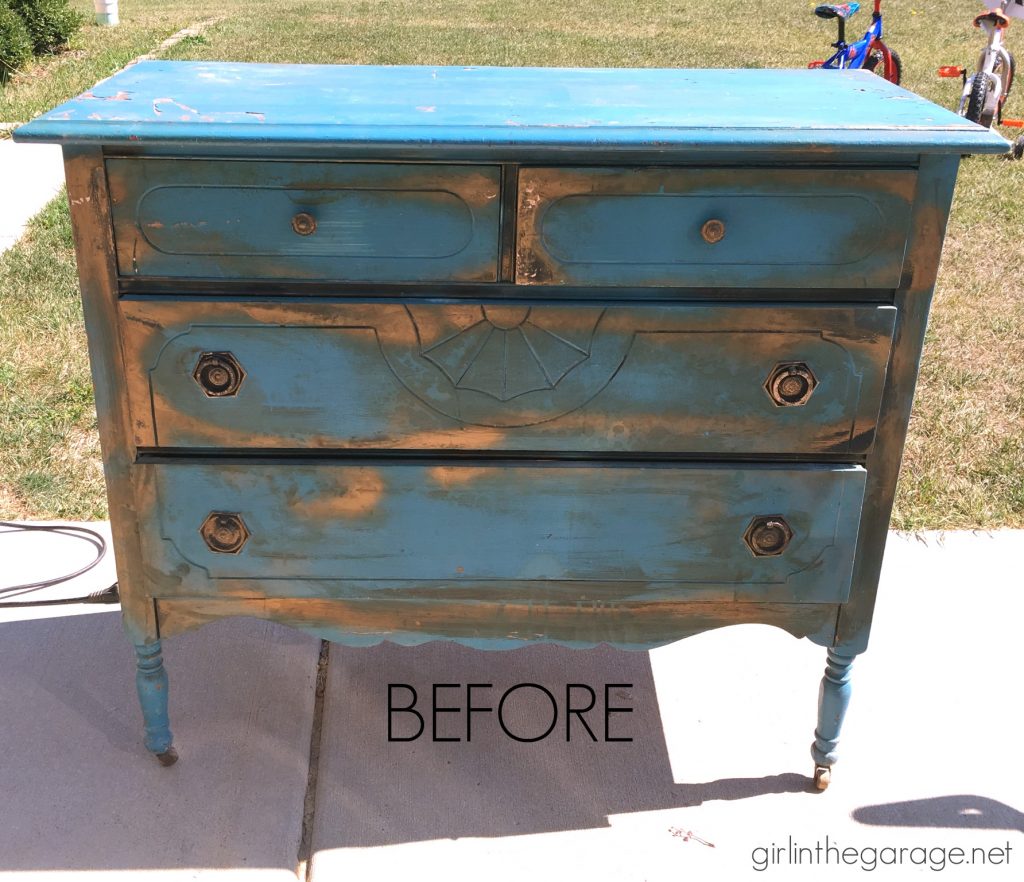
657	110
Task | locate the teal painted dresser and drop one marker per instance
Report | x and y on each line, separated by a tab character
504	355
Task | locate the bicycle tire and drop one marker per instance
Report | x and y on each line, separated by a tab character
897	65
981	84
892	70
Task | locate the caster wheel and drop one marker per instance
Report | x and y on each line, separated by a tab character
822	777
168	758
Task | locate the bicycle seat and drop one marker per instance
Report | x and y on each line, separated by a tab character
842	10
998	20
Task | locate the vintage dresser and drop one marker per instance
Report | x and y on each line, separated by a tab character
504	355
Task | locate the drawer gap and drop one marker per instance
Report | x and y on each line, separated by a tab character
451	292
165	455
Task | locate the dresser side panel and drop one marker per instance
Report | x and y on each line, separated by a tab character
94	250
935	184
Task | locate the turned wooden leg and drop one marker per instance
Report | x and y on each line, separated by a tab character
833	699
151	679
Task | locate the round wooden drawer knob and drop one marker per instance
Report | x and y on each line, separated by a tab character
304	223
713	231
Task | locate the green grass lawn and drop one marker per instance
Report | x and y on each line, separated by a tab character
97	52
964	464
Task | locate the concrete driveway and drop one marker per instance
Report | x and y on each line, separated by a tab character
30	176
715	780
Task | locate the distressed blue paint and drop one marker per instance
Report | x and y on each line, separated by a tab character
806	228
660	111
653	532
374	222
833	700
151	681
500	624
186	171
360	376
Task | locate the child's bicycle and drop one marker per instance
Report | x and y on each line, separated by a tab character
985	92
868	53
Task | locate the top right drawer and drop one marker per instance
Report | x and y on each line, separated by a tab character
694	227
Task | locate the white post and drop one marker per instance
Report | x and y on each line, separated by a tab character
106	12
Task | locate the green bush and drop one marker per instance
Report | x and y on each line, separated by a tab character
50	23
15	42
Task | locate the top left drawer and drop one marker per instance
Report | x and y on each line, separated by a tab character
343	221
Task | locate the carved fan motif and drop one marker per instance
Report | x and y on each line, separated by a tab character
504	366
507	353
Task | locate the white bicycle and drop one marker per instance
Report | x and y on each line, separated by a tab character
985	92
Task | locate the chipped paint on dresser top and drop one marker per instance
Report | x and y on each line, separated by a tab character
657	111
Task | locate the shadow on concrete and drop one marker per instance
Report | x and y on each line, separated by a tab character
962	811
372	792
79	791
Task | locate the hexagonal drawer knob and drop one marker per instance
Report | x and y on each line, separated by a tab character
218	374
224	532
768	535
790	384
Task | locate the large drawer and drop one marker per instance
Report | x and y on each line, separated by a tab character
756	228
649	379
502	531
212	219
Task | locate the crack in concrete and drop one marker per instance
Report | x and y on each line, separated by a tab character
304	869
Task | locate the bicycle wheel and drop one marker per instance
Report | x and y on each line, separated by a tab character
1007	76
886	63
979	105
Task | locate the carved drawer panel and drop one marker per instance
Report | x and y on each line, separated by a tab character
216	219
761	228
661	379
514	531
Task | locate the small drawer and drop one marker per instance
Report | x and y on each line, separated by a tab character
503	532
213	219
668	379
746	228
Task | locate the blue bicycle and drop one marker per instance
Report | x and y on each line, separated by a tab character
868	53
